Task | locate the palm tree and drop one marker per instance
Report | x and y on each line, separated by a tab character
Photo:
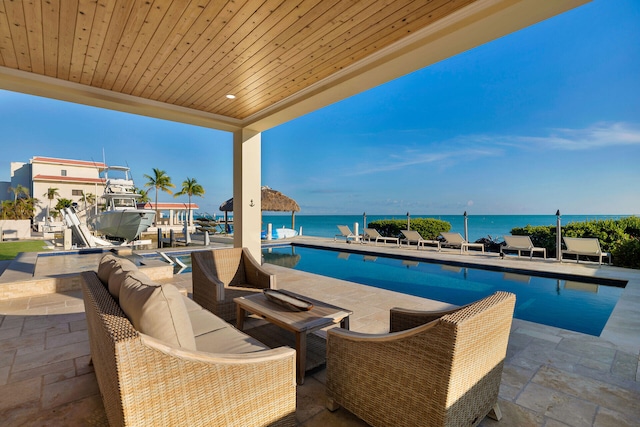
7	209
88	199
191	188
51	194
144	195
160	181
18	191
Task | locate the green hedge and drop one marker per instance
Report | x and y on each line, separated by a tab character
618	236
429	228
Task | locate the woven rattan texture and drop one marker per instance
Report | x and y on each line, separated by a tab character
146	386
445	373
221	275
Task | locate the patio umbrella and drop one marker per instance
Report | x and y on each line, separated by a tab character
272	201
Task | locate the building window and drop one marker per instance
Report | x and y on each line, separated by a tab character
76	192
63	172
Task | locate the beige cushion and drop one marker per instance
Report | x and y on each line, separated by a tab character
191	304
106	266
228	341
157	310
119	273
203	322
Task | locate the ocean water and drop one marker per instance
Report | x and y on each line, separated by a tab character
479	226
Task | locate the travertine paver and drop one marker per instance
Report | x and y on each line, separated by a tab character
551	378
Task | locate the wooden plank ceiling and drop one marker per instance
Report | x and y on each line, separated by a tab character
192	53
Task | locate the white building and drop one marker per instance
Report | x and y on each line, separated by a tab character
73	179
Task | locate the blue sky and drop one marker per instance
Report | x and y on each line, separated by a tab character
547	118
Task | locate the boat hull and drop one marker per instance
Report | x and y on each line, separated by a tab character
280	233
123	224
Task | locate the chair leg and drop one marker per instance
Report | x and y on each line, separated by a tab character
332	405
495	413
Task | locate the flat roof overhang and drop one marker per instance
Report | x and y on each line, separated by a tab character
463	28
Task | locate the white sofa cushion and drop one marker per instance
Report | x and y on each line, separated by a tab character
203	321
228	341
120	270
157	310
107	264
191	304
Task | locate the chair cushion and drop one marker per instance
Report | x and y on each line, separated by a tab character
191	304
106	266
156	310
228	340
203	322
118	274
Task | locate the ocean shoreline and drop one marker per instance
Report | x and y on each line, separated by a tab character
479	226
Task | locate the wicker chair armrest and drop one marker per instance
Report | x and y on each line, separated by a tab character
257	276
345	334
207	276
401	319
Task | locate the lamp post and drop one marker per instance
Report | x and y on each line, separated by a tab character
364	220
466	227
558	236
408	221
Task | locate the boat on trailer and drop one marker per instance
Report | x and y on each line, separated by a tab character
121	219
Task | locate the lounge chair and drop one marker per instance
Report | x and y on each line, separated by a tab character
411	236
345	232
372	233
455	240
521	244
220	275
443	373
586	246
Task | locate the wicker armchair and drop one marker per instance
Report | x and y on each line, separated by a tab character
220	275
444	373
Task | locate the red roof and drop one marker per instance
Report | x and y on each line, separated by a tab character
170	205
39	159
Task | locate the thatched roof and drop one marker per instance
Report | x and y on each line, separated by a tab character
272	201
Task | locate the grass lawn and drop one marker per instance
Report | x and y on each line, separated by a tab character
9	250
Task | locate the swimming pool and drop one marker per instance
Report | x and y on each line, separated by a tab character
577	305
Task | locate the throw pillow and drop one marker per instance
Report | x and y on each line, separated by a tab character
119	273
106	266
157	310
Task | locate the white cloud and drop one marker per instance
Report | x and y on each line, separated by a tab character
430	154
472	147
596	136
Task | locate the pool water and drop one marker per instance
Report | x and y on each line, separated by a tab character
565	303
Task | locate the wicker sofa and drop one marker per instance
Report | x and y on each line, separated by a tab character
161	359
443	373
220	275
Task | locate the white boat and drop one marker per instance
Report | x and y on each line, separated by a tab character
121	218
280	233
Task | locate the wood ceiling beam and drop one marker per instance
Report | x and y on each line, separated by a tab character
33	84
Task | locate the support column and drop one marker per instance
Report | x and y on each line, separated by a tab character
247	155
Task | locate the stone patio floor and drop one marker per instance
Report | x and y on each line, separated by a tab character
552	377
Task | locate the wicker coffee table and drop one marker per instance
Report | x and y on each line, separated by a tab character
301	323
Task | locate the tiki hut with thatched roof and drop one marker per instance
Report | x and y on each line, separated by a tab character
272	201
